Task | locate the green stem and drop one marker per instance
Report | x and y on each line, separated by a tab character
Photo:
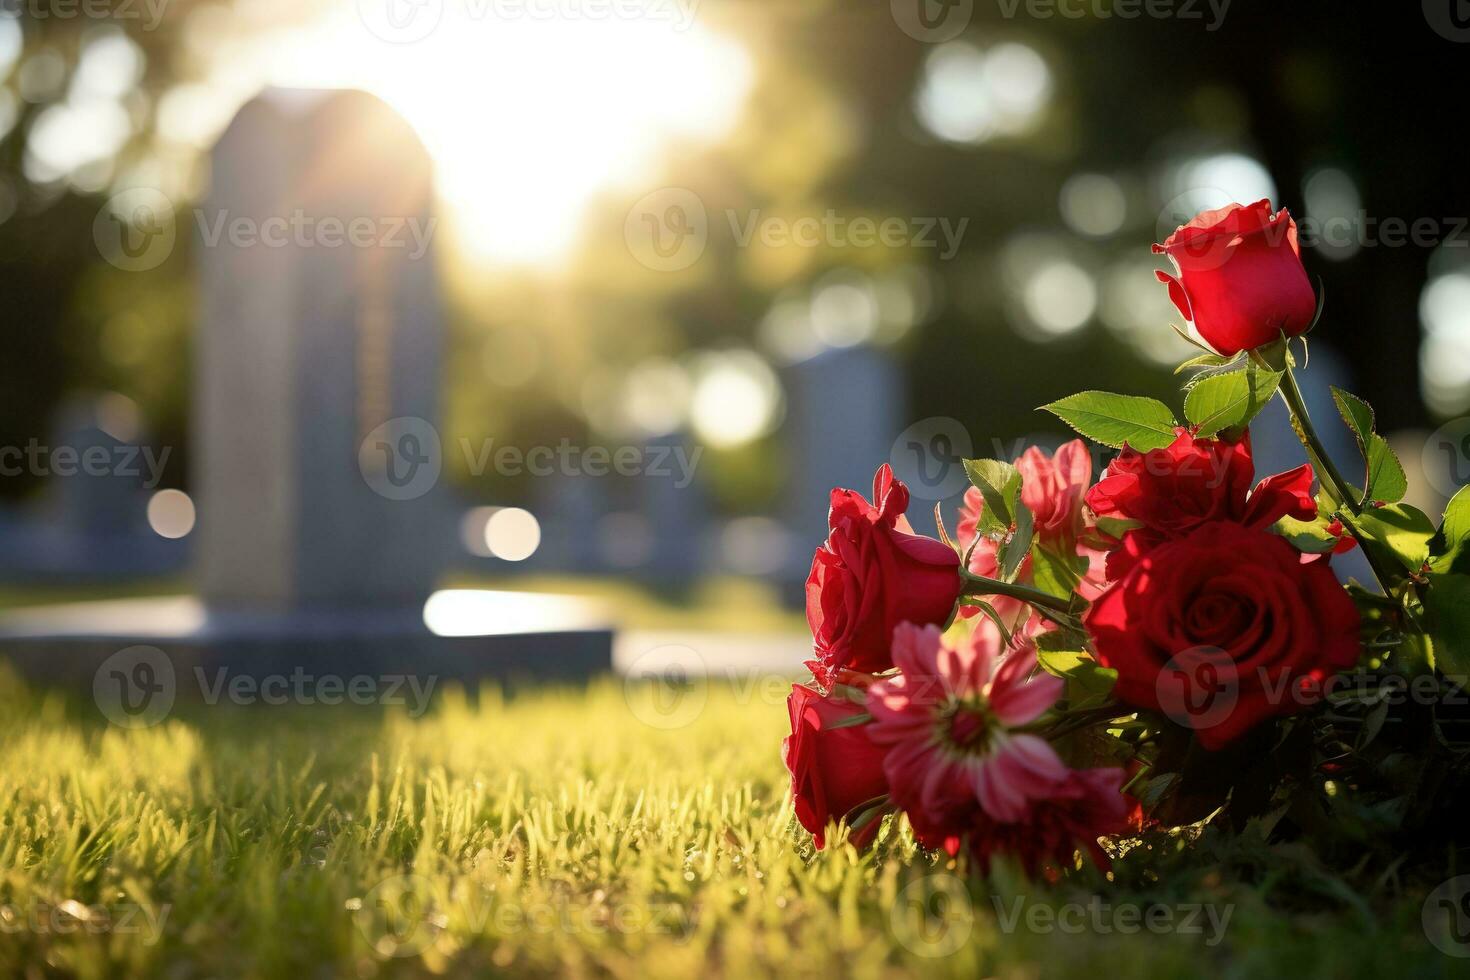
979	585
1301	423
1291	393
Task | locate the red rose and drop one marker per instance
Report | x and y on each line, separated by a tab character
834	771
1192	482
1223	629
1241	280
872	574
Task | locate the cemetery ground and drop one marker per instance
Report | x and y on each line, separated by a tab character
578	831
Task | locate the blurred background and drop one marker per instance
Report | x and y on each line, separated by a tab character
761	246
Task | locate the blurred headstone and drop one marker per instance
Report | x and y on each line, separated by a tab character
306	349
844	409
317	459
102	494
677	516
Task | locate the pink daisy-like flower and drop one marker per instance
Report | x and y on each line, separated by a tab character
949	719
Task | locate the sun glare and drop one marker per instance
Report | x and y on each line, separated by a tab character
528	119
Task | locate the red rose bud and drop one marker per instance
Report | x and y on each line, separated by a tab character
834	771
1241	280
1224	629
873	573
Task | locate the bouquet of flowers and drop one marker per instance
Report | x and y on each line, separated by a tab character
1080	662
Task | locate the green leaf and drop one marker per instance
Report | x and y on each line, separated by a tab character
1399	531
1385	479
852	721
1204	361
1116	527
1014	551
1225	401
994	617
1450	547
1055	574
1311	537
1143	423
1088	682
1447	605
1000	485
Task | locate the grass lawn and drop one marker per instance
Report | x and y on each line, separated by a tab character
561	832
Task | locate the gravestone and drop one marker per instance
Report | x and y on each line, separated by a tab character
844	409
306	349
316	461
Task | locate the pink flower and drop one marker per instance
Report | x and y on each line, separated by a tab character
948	720
1053	489
1085	806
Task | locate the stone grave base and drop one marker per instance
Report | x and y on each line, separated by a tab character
539	638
